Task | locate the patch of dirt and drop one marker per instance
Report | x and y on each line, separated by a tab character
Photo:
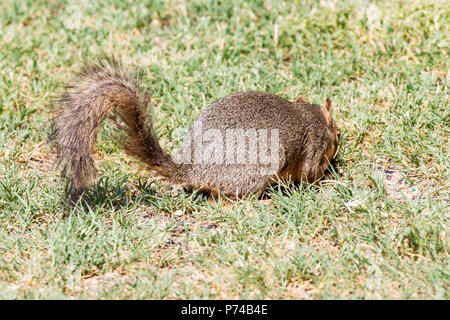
300	290
40	158
98	283
402	184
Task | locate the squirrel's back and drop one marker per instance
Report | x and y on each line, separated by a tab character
243	142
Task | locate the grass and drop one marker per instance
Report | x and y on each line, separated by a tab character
377	227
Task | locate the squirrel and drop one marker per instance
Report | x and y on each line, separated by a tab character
296	140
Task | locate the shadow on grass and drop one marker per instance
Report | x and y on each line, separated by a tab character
286	188
118	194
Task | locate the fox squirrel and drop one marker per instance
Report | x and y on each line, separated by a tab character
255	138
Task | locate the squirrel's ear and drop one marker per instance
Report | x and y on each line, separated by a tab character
300	99
327	110
328	105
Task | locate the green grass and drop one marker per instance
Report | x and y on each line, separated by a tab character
365	233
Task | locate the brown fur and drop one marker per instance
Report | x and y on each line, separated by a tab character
307	133
98	90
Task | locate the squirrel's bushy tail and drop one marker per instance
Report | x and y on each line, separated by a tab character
99	89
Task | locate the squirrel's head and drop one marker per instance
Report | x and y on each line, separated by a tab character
333	131
322	145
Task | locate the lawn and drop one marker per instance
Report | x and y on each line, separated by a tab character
376	227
